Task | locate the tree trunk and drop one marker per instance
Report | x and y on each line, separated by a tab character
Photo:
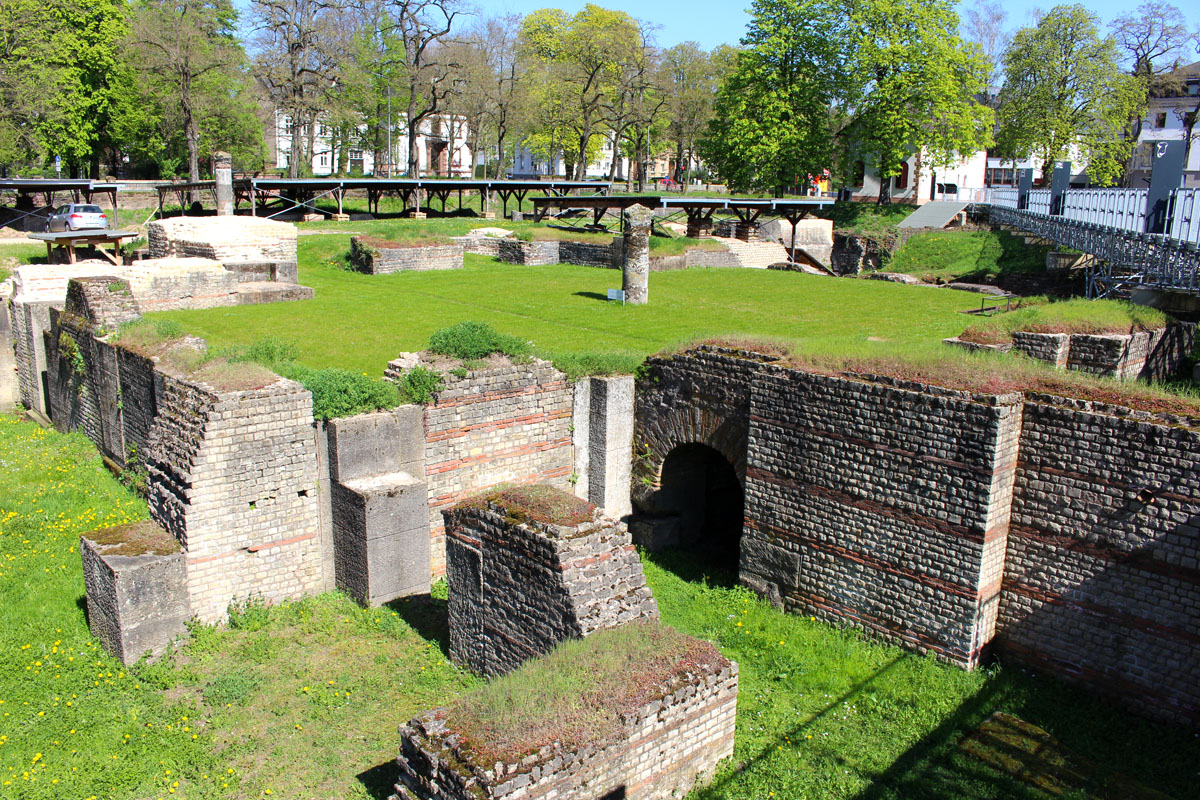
885	190
296	136
581	155
414	158
192	135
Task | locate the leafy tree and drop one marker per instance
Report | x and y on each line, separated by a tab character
188	51
913	86
692	78
583	54
1065	92
771	120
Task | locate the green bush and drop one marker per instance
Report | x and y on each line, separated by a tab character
341	393
419	385
472	340
269	350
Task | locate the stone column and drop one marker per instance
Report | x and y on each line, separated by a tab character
223	173
635	271
746	231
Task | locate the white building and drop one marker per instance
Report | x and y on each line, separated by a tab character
1169	114
964	180
442	149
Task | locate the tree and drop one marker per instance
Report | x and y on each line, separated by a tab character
1153	40
1064	92
427	74
188	48
984	26
583	53
771	120
295	67
913	87
692	79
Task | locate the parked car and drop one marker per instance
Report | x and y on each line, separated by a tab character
75	217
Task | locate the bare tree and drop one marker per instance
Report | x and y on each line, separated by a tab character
1153	39
984	25
294	67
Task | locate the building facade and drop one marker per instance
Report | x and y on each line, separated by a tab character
1170	116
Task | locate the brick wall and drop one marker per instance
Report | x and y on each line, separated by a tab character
939	519
519	589
881	506
1102	583
233	476
665	748
375	257
505	424
591	254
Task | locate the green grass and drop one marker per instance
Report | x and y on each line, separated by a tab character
869	219
1067	316
302	700
971	256
359	322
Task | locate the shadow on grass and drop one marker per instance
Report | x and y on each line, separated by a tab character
379	781
592	296
427	615
689	567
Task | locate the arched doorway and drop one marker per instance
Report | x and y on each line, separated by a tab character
701	486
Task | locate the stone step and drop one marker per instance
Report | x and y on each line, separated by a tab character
256	292
755	255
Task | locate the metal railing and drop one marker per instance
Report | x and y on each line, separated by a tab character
1004	196
1039	201
1124	209
1185	215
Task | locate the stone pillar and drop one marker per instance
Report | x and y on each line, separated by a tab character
610	442
746	231
635	271
10	392
223	173
699	227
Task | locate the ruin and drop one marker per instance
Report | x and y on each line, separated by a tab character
381	257
519	585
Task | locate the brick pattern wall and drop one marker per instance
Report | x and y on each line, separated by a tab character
168	284
233	476
1103	586
373	258
667	747
29	319
506	424
517	590
591	254
1049	347
881	506
228	240
514	251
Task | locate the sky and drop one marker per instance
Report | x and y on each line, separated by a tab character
714	22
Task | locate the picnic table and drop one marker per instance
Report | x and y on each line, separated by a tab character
69	240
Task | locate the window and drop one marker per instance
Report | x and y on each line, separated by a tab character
859	173
1160	120
902	178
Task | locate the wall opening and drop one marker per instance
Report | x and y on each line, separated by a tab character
702	487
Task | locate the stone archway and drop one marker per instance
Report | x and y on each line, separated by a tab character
703	490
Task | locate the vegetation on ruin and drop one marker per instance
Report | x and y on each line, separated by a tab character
538	502
472	340
1067	316
576	695
134	539
938	364
970	256
303	699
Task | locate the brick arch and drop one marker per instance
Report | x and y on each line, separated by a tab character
656	438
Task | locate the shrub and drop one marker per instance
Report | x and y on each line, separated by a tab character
419	385
341	393
267	351
472	340
578	365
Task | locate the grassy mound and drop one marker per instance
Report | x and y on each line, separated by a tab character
577	693
1068	316
971	256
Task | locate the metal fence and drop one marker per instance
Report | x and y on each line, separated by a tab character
1123	209
1004	197
1039	201
1185	215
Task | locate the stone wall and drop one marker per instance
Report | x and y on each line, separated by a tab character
378	257
665	748
888	506
233	476
515	251
1102	580
168	284
253	248
517	589
502	424
882	506
591	254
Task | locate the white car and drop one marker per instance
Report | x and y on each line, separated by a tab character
75	217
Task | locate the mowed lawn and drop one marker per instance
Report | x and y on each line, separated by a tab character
302	700
360	322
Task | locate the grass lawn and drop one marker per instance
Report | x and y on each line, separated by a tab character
869	219
972	256
303	700
359	322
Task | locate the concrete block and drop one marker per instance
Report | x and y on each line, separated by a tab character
377	444
610	445
136	583
381	537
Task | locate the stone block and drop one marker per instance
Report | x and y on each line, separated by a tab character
136	583
379	443
610	426
381	537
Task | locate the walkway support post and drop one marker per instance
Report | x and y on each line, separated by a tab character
1166	175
